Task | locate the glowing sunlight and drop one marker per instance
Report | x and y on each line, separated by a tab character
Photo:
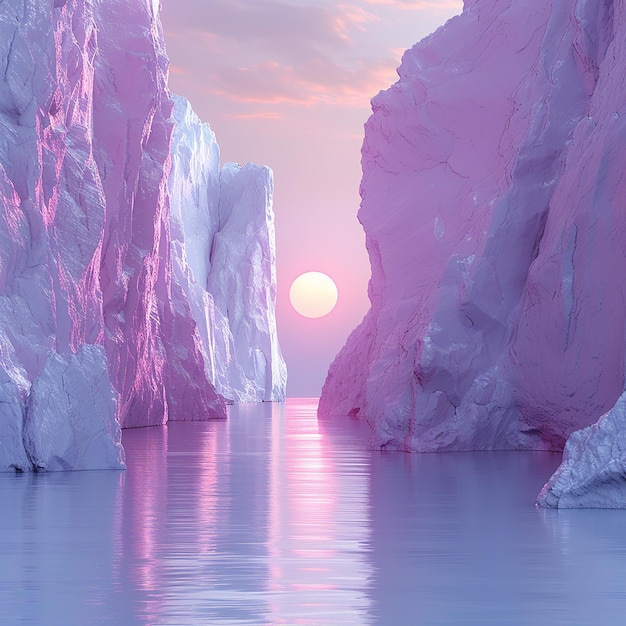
313	294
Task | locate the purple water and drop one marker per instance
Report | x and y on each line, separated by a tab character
275	518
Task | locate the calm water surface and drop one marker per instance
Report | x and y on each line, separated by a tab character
275	518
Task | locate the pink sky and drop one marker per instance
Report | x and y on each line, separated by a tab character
287	84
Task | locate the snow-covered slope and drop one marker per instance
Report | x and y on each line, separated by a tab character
97	329
493	200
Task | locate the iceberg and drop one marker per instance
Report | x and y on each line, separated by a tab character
592	474
224	255
493	207
107	318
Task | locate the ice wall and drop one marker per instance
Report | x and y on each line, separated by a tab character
493	199
223	248
154	348
97	328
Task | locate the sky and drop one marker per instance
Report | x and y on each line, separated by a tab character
287	84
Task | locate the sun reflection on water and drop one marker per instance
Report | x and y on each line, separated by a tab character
274	517
243	522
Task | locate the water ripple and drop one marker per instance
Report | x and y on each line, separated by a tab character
274	517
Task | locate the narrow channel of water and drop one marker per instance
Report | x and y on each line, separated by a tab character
275	518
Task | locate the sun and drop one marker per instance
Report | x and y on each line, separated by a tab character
313	294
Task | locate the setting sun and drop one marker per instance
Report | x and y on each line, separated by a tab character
313	294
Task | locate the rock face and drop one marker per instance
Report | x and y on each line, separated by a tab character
225	260
493	199
98	326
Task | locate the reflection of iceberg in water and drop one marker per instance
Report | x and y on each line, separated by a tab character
58	547
258	519
141	520
275	518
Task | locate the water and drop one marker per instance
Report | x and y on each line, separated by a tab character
274	518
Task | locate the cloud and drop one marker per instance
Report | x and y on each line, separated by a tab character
263	55
176	69
320	82
276	24
419	5
257	115
277	51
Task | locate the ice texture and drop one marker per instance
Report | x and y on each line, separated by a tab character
593	471
99	327
223	250
493	197
71	414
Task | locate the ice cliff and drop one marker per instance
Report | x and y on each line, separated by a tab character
104	320
493	197
225	259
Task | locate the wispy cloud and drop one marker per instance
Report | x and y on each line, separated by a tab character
261	56
320	82
417	5
276	24
257	115
278	51
177	69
